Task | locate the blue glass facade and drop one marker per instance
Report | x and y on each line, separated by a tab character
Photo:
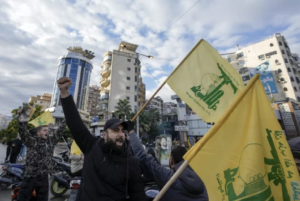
79	71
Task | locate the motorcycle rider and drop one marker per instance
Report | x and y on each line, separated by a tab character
110	171
38	161
188	186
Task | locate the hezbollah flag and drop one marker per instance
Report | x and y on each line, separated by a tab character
206	82
44	119
75	149
245	155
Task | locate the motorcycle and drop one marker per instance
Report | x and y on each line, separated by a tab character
65	156
74	186
12	174
151	190
60	182
15	193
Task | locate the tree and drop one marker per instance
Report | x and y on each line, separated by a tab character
148	122
123	109
11	132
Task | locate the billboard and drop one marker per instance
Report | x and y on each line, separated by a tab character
266	76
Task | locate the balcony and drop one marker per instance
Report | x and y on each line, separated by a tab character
104	82
105	73
103	100
108	62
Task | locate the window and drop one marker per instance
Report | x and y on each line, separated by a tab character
292	79
271	53
286	61
261	56
294	70
288	53
280	43
75	61
129	60
135	70
135	98
289	70
68	61
135	78
127	97
279	71
282	51
298	98
271	45
282	79
135	88
245	78
291	61
241	54
276	61
128	88
285	89
128	69
229	60
295	89
285	45
128	78
241	62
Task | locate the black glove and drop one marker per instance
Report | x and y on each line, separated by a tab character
130	126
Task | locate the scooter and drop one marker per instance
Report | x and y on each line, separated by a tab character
60	182
15	193
12	174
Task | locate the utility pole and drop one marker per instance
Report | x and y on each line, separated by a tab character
137	96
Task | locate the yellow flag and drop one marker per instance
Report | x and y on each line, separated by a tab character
44	119
245	155
75	149
206	82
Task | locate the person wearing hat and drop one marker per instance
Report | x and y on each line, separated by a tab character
38	160
110	170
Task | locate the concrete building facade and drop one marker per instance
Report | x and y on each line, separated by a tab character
272	58
43	100
93	100
120	79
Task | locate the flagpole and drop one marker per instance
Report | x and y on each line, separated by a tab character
138	113
171	181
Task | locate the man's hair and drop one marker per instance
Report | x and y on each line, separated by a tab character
40	127
296	153
177	153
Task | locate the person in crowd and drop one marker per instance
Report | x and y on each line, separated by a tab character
76	157
188	186
110	170
296	154
22	154
151	152
15	149
38	161
8	150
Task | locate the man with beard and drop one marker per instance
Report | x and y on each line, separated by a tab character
110	171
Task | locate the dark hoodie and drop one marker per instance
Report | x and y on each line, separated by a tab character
187	187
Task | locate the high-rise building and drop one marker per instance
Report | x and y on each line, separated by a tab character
77	65
121	79
272	58
156	103
93	101
43	100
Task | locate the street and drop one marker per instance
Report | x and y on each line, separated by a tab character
5	195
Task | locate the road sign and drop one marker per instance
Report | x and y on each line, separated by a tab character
181	128
191	141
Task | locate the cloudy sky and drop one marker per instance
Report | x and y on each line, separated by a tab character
34	33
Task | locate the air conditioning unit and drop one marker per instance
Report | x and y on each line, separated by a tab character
268	56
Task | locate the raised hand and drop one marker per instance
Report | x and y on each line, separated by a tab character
63	84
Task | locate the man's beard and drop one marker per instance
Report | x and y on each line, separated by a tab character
112	145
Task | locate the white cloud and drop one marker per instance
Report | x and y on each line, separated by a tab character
33	35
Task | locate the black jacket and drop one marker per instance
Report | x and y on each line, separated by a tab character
106	176
16	146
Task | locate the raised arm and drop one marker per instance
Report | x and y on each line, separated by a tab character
28	139
159	173
79	131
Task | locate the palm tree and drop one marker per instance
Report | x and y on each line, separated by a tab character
123	109
153	116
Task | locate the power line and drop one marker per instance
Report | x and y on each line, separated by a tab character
176	20
153	75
